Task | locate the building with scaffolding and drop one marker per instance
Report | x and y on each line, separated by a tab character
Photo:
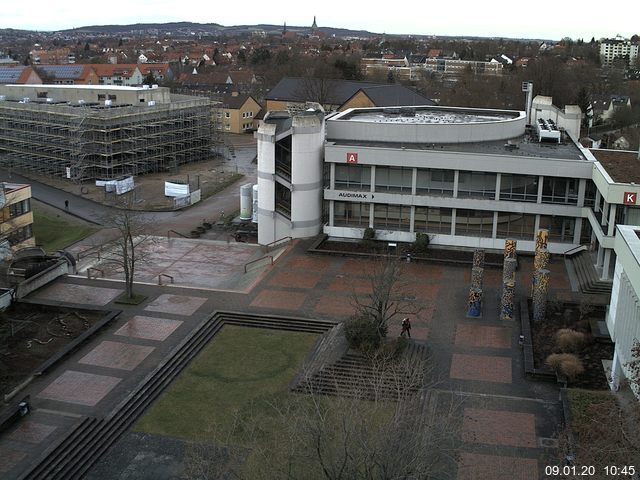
82	132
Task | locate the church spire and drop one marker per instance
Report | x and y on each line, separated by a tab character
314	26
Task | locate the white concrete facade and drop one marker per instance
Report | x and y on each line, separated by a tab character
467	177
290	151
623	316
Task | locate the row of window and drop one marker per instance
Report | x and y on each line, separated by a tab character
19	235
475	223
15	209
521	188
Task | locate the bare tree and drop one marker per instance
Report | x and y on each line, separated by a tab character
350	434
132	228
389	298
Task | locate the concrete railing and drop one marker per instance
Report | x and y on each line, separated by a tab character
41	279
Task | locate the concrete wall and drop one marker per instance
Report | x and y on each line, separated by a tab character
307	148
341	128
73	93
43	278
569	118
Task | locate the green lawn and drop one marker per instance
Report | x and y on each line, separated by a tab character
238	373
55	234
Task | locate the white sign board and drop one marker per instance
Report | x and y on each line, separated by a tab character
175	189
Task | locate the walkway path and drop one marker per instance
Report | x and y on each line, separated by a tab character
503	422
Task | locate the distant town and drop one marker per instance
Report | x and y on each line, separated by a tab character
235	65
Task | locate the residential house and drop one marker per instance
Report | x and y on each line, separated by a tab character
67	74
238	113
118	74
19	75
605	105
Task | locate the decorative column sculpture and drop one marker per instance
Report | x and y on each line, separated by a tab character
540	294
542	238
508	293
477	274
540	262
478	258
475	303
508	279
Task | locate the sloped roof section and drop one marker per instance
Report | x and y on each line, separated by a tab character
337	92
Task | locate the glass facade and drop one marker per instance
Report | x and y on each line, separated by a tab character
516	225
433	220
519	188
560	190
561	229
347	214
475	223
353	177
394	179
433	181
392	217
477	184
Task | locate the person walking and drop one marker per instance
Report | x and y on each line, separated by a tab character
66	205
406	327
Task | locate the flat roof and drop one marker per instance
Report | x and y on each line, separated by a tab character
84	87
621	165
425	114
516	147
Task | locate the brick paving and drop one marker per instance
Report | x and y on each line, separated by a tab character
149	328
483	336
335	306
31	432
122	356
80	388
177	304
470	357
474	466
292	279
483	368
279	300
9	459
513	429
82	294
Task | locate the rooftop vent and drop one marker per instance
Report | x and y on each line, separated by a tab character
547	131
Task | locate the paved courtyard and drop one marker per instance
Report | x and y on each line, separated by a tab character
501	418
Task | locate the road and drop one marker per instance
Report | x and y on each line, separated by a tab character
182	220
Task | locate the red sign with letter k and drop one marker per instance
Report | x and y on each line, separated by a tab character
630	198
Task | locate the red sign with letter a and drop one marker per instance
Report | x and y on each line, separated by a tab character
352	158
630	198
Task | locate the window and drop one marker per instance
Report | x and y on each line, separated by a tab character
434	181
476	223
560	228
283	200
351	214
433	220
477	184
560	190
516	225
227	115
520	188
392	217
352	177
590	194
394	179
19	208
20	235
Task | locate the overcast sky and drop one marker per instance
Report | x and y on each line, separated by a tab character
488	18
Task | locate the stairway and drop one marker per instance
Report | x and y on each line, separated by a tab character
588	279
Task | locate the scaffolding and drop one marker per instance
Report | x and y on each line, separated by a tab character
88	141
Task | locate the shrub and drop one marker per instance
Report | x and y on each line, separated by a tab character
568	340
566	363
368	237
363	333
421	245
